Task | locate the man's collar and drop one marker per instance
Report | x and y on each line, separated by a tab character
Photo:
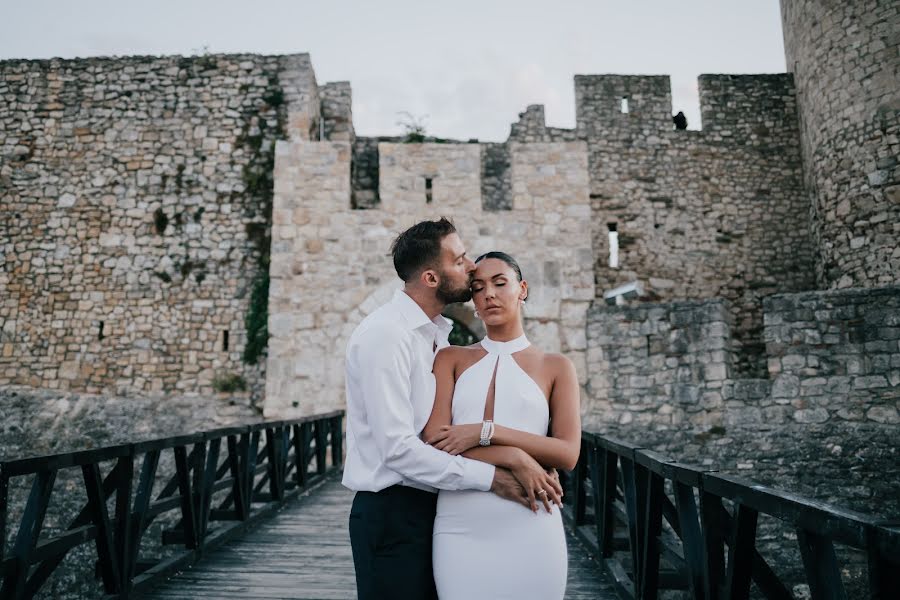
414	316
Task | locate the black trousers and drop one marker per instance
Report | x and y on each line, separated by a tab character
390	532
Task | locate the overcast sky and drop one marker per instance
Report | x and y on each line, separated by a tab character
468	67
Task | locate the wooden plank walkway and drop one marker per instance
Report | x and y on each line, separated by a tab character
303	552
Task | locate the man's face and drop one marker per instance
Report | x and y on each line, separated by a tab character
455	271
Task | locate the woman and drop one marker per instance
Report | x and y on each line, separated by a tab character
524	404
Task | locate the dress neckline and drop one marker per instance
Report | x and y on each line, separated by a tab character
510	347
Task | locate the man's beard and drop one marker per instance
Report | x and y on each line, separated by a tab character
448	294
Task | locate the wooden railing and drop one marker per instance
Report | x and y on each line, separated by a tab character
254	481
656	524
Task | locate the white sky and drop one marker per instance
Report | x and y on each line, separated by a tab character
468	66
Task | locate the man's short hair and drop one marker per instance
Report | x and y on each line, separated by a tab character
419	247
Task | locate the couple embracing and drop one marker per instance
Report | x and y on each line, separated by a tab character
453	451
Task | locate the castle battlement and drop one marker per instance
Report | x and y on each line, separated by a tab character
604	102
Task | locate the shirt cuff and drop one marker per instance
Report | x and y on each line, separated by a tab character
478	475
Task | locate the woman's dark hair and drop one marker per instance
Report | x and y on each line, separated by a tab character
419	247
505	258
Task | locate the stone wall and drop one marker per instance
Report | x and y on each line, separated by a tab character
699	214
496	185
836	355
136	199
324	280
832	356
659	363
823	425
845	57
337	113
364	173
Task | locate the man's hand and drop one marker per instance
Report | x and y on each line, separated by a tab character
508	487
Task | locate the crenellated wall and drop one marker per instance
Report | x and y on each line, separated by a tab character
599	106
845	58
719	212
330	263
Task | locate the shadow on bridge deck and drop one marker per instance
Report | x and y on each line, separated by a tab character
303	552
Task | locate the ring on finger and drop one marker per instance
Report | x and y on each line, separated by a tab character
542	493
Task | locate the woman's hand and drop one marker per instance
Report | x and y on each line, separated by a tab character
456	439
540	485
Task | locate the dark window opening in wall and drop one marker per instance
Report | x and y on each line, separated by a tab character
100	335
225	341
428	189
623	105
613	245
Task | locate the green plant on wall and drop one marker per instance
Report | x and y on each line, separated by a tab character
258	177
413	127
257	318
229	382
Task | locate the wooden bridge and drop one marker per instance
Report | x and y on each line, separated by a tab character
258	512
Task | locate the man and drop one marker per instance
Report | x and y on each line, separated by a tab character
390	393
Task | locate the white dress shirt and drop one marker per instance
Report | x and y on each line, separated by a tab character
390	394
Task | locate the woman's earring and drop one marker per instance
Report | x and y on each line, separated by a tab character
477	316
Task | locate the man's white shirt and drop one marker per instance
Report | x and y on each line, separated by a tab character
390	394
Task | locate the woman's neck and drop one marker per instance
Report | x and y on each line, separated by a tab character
505	332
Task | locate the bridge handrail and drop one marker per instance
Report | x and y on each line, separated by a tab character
282	464
711	550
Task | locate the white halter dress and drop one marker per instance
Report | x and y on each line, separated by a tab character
486	547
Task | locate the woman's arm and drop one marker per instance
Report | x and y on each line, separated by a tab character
525	469
560	449
445	382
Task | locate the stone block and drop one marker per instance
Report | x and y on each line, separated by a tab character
715	372
883	414
786	386
811	415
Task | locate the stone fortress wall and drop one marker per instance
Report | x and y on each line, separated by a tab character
330	265
136	201
718	212
169	200
846	66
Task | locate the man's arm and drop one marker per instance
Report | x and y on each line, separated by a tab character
384	358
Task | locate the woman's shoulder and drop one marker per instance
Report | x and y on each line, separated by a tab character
458	358
456	353
558	364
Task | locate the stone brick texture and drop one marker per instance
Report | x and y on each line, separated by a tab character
324	281
136	199
714	213
659	363
836	355
845	57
